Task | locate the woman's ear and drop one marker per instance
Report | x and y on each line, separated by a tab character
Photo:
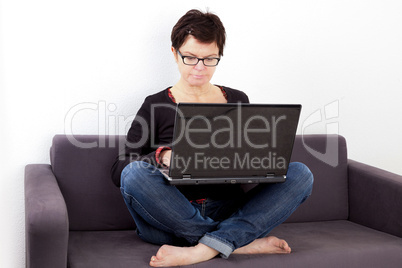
174	53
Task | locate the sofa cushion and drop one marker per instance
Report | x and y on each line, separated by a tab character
326	156
82	165
315	244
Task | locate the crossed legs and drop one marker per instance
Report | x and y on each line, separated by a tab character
266	206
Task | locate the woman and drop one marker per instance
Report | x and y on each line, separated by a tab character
196	223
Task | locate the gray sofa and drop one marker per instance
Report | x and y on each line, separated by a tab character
76	217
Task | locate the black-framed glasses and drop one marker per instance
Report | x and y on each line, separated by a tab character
192	61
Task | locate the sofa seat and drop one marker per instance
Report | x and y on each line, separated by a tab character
314	244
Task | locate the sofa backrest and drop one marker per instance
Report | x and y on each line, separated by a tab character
82	165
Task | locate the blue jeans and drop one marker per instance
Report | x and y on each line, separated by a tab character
163	215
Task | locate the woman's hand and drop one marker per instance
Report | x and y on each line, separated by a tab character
165	157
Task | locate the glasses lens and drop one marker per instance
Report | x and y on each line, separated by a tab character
190	60
211	61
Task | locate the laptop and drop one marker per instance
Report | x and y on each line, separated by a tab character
232	143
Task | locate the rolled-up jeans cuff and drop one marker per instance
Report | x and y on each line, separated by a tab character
218	244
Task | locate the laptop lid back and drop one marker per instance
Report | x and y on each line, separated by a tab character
233	140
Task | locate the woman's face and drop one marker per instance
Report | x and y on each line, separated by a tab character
198	75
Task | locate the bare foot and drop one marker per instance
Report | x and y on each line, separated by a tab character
265	245
175	256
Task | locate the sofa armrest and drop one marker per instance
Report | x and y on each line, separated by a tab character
46	219
375	198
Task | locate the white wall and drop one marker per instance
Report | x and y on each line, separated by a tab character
59	57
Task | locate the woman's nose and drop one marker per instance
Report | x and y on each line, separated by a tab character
200	65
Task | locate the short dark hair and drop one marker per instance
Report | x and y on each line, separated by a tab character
205	27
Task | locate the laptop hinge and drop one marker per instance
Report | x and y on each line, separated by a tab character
186	176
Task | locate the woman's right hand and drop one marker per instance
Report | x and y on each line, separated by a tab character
165	157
